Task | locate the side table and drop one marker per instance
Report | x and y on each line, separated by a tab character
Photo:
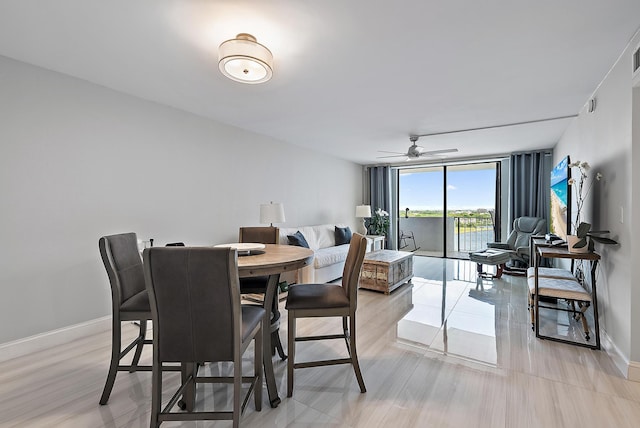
375	242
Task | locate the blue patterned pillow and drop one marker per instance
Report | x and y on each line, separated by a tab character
298	239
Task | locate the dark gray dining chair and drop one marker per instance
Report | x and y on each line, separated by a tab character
258	284
328	300
129	302
197	318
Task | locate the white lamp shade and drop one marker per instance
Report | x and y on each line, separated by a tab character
363	211
245	60
272	213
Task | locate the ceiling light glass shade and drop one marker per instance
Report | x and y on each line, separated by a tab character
245	60
272	213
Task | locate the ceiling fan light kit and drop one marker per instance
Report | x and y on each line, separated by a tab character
245	60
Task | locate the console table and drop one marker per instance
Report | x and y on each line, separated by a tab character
543	249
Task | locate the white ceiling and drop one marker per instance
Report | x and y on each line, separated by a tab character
351	76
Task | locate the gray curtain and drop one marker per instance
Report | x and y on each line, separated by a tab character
380	196
530	191
380	188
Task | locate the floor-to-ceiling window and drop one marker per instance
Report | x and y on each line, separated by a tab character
421	205
448	211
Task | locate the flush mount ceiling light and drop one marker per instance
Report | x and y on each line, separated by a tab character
245	60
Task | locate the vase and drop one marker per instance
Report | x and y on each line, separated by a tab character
573	239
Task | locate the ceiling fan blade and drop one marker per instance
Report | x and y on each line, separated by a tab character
386	151
392	156
438	152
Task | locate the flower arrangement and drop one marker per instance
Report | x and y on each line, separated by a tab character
581	187
586	236
379	224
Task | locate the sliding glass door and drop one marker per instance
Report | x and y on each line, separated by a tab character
421	206
448	211
471	206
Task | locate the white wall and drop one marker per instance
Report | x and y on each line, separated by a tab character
604	139
78	161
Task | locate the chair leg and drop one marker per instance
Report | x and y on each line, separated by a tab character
257	369
140	339
583	318
237	389
156	394
277	345
291	334
345	330
115	360
189	394
532	311
354	355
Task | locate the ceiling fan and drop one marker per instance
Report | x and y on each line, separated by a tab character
415	151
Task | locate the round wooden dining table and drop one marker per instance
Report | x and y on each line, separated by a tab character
272	261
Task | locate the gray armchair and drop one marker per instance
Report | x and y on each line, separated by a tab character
518	240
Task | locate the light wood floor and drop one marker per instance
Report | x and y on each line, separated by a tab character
441	352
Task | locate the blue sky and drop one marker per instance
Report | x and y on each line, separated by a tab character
470	189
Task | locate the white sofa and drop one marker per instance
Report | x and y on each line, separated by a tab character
328	261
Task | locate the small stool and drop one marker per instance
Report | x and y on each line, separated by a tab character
491	256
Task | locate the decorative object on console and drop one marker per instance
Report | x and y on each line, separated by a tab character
343	235
581	188
272	213
582	241
245	60
363	211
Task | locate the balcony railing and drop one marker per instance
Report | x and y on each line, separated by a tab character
472	233
464	234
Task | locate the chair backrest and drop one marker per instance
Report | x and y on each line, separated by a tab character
353	266
195	303
122	261
261	235
523	228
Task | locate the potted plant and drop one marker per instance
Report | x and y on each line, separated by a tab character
379	224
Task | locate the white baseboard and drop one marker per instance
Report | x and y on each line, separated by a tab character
40	342
634	371
629	369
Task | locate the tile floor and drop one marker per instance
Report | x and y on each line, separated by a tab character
443	351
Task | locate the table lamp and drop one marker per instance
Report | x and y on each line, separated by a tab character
363	211
272	213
